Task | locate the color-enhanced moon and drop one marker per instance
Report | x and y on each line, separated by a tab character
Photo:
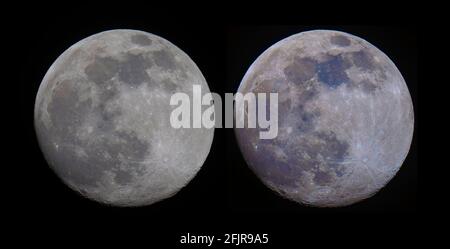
102	118
345	119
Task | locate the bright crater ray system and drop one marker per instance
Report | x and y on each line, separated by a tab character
345	119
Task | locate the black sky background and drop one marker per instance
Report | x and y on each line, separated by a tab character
225	196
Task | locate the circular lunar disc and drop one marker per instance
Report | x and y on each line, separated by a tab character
345	119
102	118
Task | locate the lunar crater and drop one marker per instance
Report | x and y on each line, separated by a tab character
140	39
345	119
101	118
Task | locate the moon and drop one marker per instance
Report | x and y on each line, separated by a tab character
102	118
345	119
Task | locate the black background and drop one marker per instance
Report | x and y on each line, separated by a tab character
225	196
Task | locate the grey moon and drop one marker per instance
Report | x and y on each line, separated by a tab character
345	118
102	118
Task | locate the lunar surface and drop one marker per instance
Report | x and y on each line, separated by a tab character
102	118
345	119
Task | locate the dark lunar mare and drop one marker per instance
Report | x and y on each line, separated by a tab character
285	172
100	110
85	162
346	119
141	39
332	71
340	40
